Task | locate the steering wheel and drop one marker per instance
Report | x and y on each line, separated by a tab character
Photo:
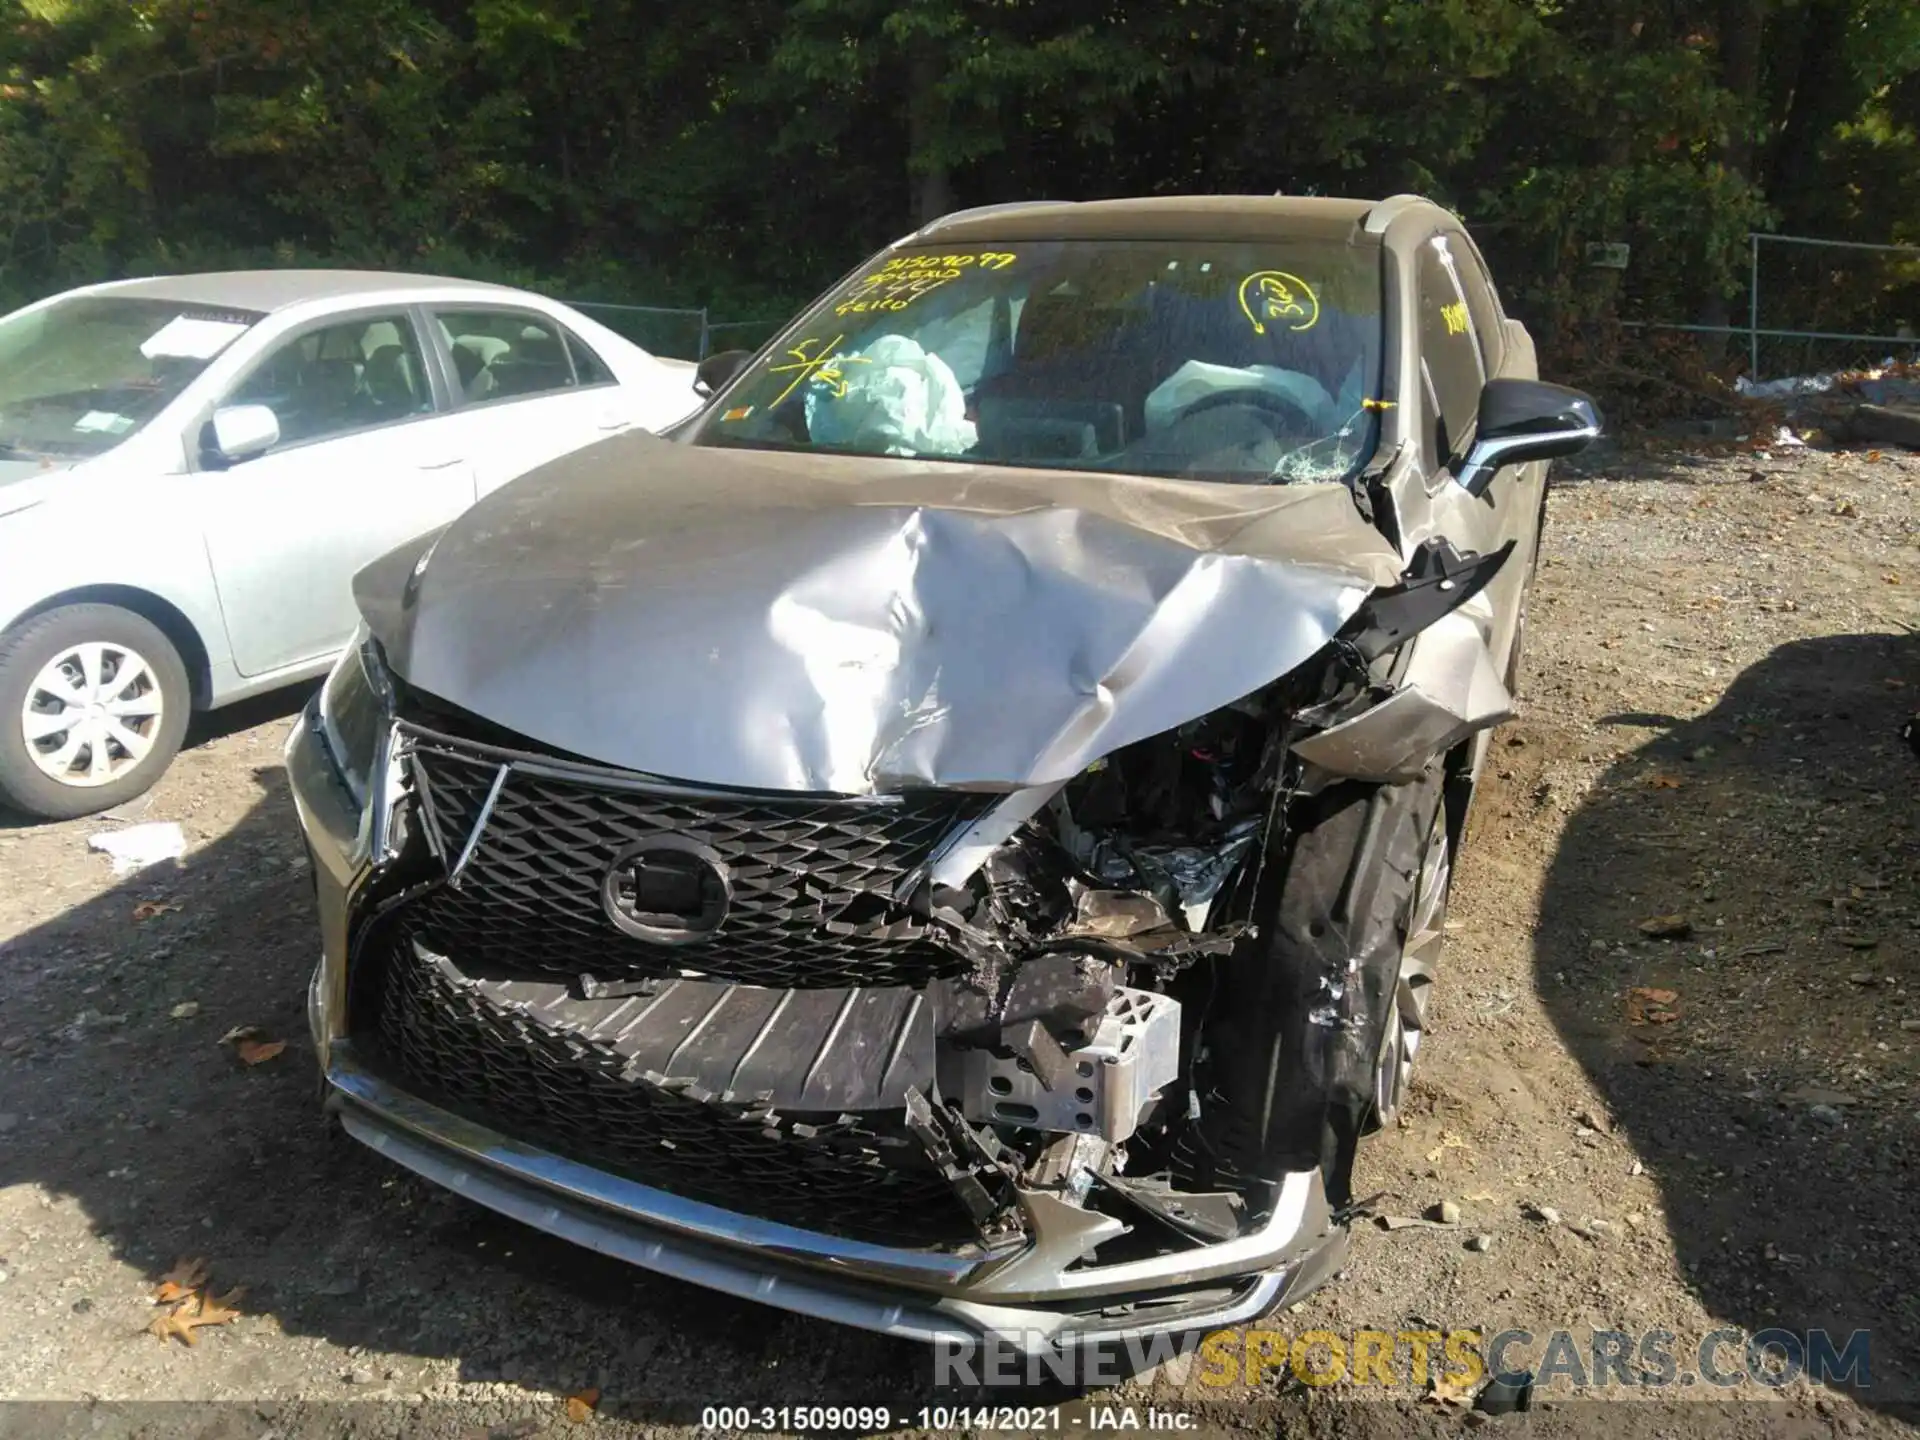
1270	403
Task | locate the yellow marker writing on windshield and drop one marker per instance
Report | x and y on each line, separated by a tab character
1275	295
823	364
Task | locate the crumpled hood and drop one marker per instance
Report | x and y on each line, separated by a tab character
832	624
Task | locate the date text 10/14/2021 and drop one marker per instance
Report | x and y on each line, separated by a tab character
1020	1419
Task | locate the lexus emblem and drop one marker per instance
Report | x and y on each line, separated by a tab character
668	890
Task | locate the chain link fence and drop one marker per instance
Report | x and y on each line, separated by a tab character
676	332
1816	305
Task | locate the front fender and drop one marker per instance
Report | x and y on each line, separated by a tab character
144	559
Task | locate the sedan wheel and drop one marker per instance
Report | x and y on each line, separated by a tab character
93	706
1419	963
92	714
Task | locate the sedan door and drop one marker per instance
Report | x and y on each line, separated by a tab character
368	456
531	388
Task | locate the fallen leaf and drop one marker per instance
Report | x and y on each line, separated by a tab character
580	1407
220	1309
1448	1141
182	1280
1647	1006
185	1010
1666	782
1452	1390
1857	939
239	1032
258	1052
147	909
1891	579
193	1313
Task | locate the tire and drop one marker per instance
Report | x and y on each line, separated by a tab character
1426	928
1308	1033
97	655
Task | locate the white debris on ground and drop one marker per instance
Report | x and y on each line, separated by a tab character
139	846
1889	381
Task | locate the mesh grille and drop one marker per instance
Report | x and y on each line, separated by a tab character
530	897
448	1041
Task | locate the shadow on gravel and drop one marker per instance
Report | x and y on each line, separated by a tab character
170	1148
1777	1109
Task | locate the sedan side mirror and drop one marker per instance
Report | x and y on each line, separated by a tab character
1526	420
715	371
241	432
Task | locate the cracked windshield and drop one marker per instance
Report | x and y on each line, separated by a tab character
1247	363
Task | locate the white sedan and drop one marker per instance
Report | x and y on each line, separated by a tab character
192	468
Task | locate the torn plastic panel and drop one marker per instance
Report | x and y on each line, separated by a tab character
1444	689
1448	691
1295	1028
1438	581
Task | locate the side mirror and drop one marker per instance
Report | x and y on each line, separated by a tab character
241	432
1526	420
715	371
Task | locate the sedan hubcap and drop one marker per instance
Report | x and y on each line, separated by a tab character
1426	933
91	714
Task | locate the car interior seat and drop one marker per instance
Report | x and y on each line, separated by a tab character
393	381
1066	390
536	362
327	394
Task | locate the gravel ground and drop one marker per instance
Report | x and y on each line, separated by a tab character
1721	655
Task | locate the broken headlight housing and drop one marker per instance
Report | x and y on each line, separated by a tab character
355	702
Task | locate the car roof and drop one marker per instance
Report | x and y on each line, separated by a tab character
268	290
1165	217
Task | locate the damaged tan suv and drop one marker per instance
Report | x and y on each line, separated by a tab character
955	838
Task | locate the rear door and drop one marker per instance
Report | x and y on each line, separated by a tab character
526	386
370	455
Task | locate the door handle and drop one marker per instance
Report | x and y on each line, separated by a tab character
614	422
442	464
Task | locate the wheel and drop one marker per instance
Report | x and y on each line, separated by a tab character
93	707
1419	963
1313	1022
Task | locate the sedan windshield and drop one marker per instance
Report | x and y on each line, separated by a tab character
80	375
1251	363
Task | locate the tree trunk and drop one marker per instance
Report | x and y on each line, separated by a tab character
930	185
1742	23
1825	94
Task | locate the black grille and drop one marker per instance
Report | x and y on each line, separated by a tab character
443	1037
530	898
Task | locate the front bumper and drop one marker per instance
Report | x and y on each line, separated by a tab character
1038	1297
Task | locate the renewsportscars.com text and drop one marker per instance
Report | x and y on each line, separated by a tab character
1655	1361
